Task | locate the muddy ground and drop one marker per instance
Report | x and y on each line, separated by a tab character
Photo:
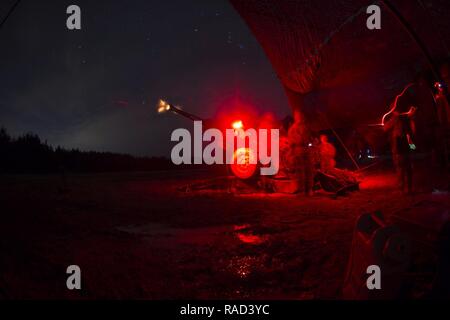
135	235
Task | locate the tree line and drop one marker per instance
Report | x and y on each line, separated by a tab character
27	153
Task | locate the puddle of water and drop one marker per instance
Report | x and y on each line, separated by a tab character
251	238
150	229
198	236
195	235
201	235
245	235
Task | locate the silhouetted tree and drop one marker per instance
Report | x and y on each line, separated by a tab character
28	154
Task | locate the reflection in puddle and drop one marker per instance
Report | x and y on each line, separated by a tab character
245	235
250	238
244	266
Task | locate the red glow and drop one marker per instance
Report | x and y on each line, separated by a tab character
230	111
251	238
394	105
237	125
244	163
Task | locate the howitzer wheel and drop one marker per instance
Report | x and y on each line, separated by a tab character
244	163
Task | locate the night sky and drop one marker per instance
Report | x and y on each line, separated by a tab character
97	88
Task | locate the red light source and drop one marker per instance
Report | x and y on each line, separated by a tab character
237	125
394	105
244	163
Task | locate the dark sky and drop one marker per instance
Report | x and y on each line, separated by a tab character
65	85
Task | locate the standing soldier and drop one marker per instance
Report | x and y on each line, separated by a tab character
401	131
327	154
300	155
443	108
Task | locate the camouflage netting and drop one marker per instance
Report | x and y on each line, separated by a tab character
330	63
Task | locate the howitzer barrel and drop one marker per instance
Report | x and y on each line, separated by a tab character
184	113
163	106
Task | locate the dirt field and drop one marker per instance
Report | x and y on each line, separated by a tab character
134	235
